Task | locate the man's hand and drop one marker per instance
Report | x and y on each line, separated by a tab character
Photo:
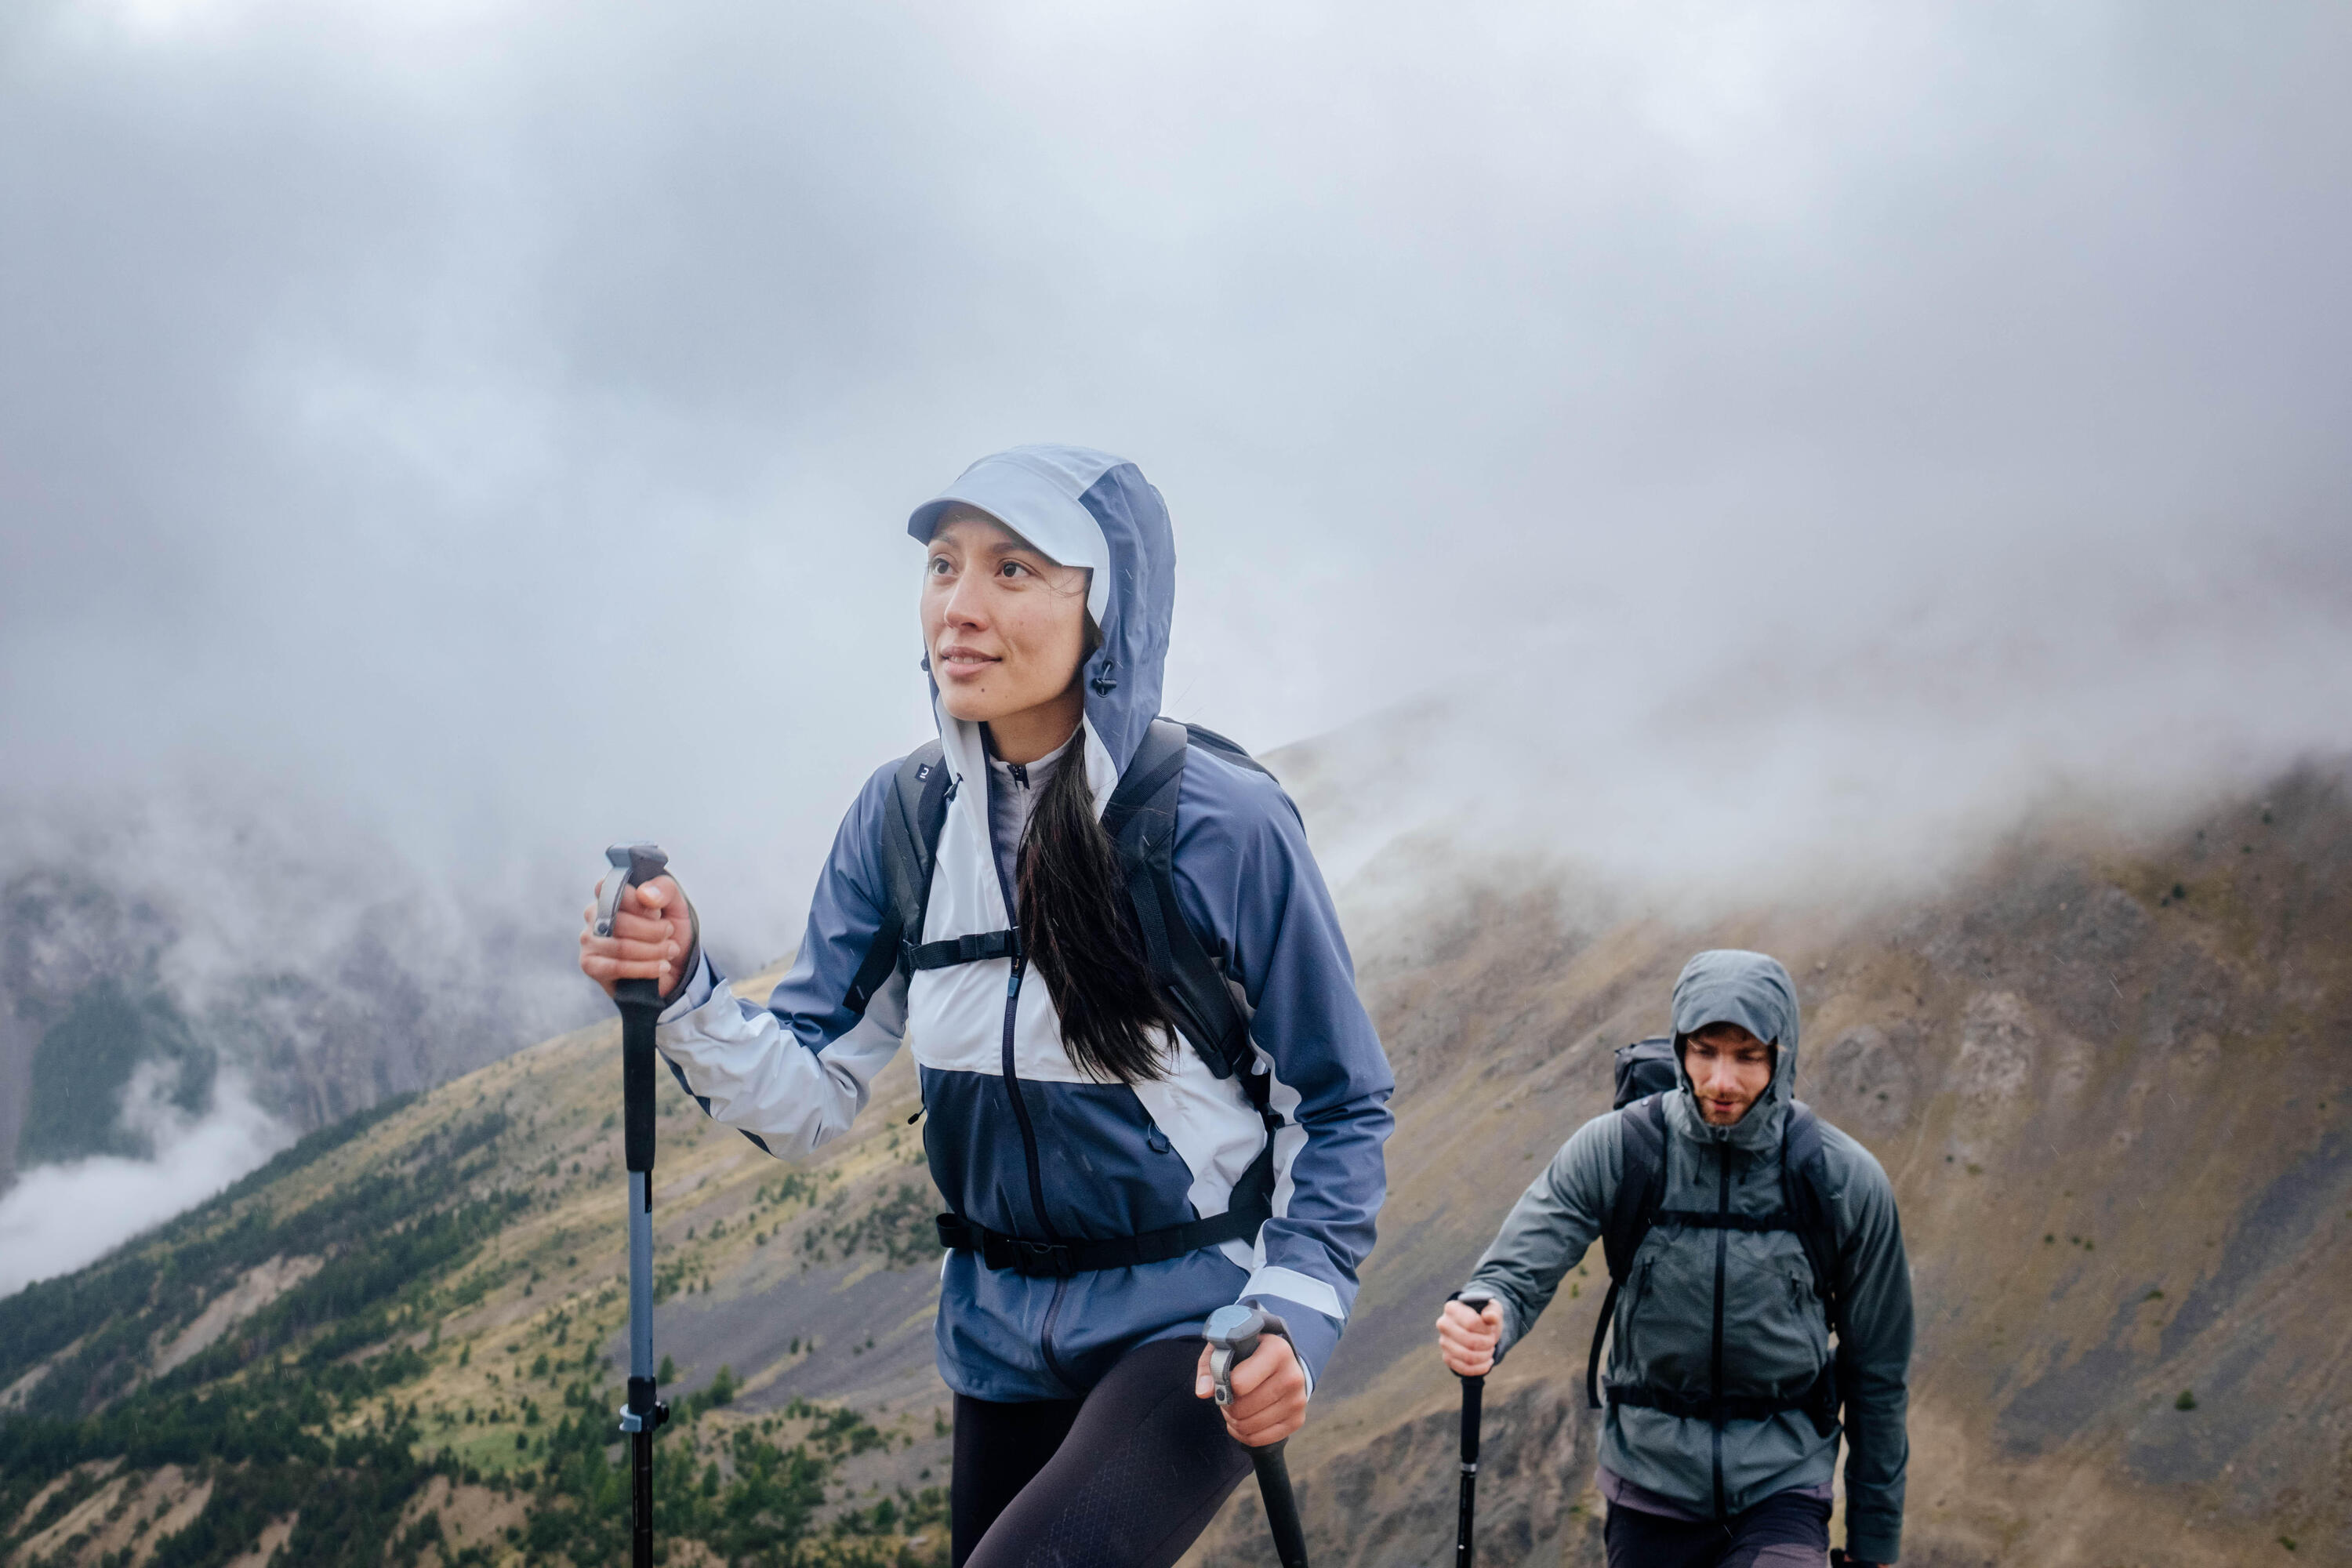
1269	1393
1467	1339
653	935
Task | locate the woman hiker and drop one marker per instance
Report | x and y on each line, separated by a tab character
1140	1107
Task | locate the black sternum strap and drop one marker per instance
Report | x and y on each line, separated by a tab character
971	948
1707	1219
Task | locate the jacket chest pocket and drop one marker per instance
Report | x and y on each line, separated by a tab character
1669	1316
1775	1334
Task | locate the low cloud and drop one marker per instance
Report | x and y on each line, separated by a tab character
58	1219
1756	451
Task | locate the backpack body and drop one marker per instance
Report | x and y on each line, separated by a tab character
1643	1068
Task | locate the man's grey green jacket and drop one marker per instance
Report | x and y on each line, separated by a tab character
1729	1313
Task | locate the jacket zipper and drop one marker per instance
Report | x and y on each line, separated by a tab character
1722	1243
1029	1151
1021	1106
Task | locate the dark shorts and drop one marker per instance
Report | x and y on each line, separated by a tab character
1130	1475
1789	1530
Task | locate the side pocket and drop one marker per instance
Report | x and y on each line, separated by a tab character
1625	1351
1805	1306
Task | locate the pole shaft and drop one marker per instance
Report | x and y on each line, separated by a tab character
640	1006
1281	1505
641	1498
641	1275
1473	1393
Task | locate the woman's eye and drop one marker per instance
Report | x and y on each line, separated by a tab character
1013	569
939	566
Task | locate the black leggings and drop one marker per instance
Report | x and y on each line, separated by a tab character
1786	1530
1129	1475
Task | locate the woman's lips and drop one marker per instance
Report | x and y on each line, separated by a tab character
964	663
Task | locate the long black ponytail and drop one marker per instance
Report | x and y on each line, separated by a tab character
1079	929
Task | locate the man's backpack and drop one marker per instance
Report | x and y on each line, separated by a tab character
1646	1074
1141	819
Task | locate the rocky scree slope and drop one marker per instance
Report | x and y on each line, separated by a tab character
2111	1078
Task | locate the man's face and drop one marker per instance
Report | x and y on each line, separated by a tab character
1730	1069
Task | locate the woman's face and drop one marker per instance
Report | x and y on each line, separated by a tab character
1005	627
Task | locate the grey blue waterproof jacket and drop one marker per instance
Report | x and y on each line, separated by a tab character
1723	1310
1022	1140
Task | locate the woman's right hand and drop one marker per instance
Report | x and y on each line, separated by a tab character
1467	1339
653	937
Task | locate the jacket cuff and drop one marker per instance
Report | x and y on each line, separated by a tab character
1313	1335
701	981
1510	1326
1873	1545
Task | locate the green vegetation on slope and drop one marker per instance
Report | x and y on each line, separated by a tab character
392	1344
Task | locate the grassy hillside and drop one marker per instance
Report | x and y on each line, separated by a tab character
402	1342
2109	1077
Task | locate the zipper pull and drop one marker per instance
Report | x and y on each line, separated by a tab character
1013	983
1020	774
917	1116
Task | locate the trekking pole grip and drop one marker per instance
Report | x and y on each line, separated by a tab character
639	1001
1233	1334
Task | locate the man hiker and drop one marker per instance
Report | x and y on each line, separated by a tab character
1751	1231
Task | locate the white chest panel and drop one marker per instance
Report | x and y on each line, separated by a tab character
955	1023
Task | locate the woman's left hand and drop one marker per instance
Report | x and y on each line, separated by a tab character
1269	1393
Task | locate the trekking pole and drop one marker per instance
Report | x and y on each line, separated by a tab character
1474	1390
1233	1334
640	1003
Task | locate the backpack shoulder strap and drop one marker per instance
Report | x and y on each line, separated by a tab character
1141	822
1805	1189
913	813
1232	752
1632	1209
1635	1204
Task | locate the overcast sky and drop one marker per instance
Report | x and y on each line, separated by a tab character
487	429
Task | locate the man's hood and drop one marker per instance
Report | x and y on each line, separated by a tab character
1086	509
1727	985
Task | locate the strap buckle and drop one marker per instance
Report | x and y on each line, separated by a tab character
1049	1259
973	947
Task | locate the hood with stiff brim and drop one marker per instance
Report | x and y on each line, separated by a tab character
1082	508
1725	985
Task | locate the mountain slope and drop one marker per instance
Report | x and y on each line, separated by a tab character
2112	1081
2108	1076
430	1297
